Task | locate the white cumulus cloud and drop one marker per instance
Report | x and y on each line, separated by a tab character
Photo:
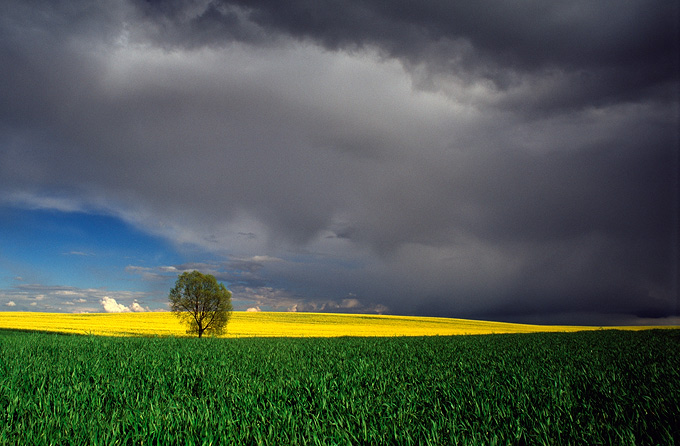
137	308
11	304
253	309
111	306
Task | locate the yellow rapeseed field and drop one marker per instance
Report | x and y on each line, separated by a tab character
263	324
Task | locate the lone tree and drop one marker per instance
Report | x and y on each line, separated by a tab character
201	302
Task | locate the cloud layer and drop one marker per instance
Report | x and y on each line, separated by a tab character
479	160
45	298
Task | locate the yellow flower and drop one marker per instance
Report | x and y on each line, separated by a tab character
267	324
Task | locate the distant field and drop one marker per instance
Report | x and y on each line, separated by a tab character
271	324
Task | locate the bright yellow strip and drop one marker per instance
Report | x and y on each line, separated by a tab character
268	324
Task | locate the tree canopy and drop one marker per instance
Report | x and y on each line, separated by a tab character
201	302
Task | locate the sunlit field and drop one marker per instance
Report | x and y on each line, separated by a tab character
270	324
313	379
585	388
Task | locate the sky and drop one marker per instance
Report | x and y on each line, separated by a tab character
513	161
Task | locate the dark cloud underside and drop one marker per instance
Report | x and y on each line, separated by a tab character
613	50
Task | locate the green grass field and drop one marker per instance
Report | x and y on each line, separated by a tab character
597	387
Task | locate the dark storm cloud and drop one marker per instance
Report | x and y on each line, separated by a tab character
487	159
603	52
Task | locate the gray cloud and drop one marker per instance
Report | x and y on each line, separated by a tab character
609	51
433	158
